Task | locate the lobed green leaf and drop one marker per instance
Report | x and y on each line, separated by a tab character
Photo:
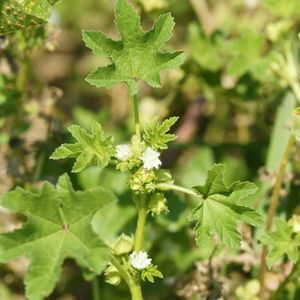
19	15
137	55
221	208
57	227
90	148
156	133
282	241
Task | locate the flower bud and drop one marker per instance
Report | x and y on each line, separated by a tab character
123	245
112	276
140	179
158	204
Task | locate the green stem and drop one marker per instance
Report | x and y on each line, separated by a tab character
166	186
272	210
121	270
96	290
141	221
136	115
136	292
133	285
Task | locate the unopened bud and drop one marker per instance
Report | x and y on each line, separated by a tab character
123	245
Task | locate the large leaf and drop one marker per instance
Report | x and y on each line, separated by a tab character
283	240
57	227
90	148
137	55
18	15
221	208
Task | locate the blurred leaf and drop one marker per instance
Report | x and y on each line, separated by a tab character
116	217
94	148
19	15
57	227
207	51
220	209
283	240
138	49
283	8
94	176
247	51
280	134
151	5
194	169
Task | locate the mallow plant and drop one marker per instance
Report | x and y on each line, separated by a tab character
58	217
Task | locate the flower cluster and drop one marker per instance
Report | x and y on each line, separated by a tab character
150	157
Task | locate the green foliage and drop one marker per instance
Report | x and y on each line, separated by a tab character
247	52
138	55
208	52
91	148
150	272
283	8
156	133
221	208
19	15
57	227
283	240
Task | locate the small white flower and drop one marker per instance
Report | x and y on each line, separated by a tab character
140	260
123	152
151	159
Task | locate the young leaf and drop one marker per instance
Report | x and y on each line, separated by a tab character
221	209
57	227
18	15
137	55
282	241
150	272
89	149
156	133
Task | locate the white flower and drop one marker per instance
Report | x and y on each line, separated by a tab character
140	260
151	159
123	152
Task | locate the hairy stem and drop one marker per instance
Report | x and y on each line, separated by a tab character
121	270
141	222
136	116
166	186
133	285
272	210
136	292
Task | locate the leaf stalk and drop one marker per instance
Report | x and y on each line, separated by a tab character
166	186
